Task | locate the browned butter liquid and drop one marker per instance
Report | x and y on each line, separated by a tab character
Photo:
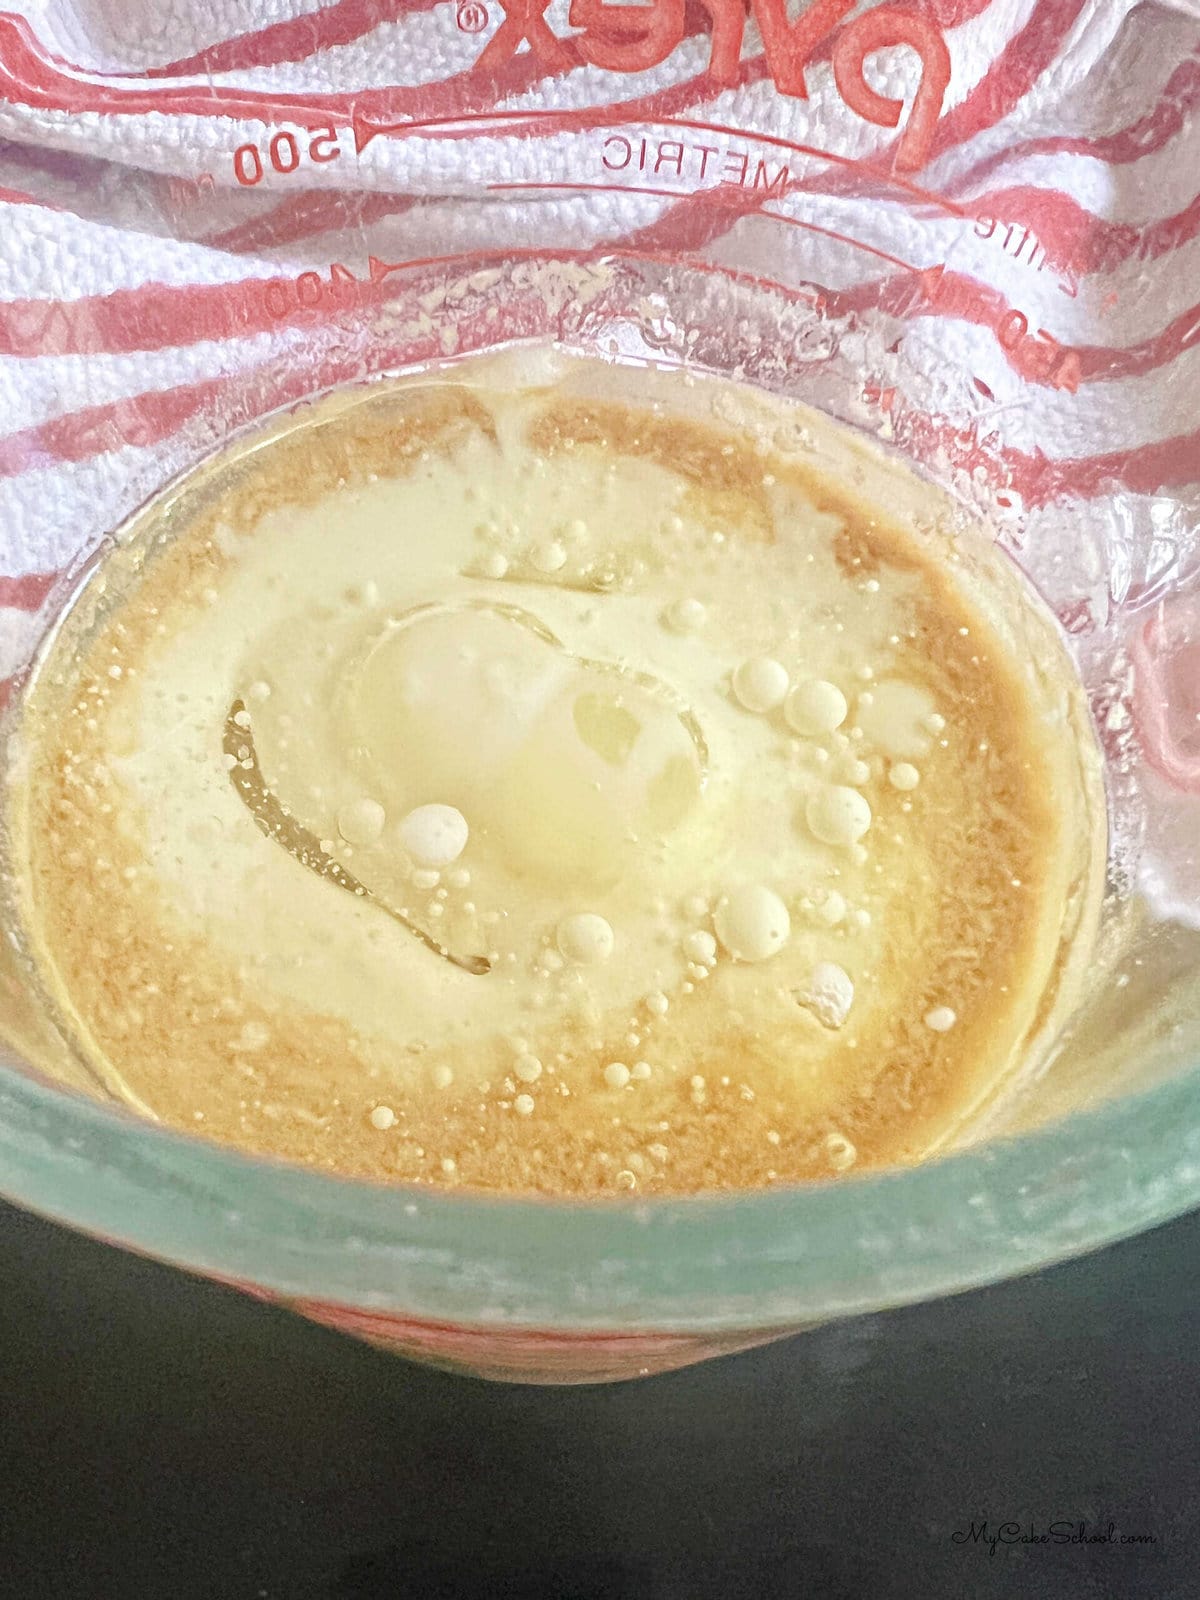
558	778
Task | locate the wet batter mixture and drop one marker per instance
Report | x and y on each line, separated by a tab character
554	779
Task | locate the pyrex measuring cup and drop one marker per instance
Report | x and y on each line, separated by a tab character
966	228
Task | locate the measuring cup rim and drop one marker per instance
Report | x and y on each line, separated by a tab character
749	1259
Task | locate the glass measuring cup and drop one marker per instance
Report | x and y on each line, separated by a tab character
962	228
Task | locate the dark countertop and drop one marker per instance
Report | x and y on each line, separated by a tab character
165	1437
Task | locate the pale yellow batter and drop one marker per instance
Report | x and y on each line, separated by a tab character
603	783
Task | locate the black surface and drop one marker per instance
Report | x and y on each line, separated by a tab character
165	1437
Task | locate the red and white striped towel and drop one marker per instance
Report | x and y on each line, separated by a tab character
161	167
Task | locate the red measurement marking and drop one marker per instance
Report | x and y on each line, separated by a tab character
285	153
309	291
931	281
469	124
282	296
875	395
472	16
34	79
295	39
624	38
630	38
525	23
719	194
880	29
1020	241
694	162
1037	355
145	419
27	592
789	46
305	213
247	165
863	168
184	192
1011	329
1163	683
